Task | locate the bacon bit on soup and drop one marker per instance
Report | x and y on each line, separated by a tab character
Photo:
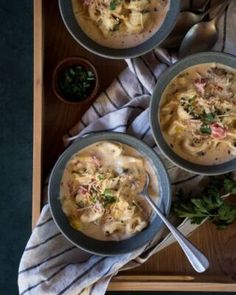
219	88
86	2
77	162
83	189
96	160
218	131
70	186
200	84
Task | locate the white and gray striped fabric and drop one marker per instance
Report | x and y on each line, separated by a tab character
50	264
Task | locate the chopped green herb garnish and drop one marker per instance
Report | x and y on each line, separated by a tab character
101	177
113	4
81	204
107	191
107	197
94	199
76	83
208	118
192	98
205	129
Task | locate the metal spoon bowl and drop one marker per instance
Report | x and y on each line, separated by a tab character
185	21
197	259
202	36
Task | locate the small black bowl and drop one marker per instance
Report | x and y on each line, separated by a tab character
109	247
73	62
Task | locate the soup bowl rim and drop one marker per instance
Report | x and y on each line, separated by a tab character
156	99
84	40
108	248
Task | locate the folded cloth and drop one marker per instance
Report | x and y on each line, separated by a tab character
52	265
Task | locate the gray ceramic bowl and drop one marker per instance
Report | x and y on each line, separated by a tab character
78	34
167	76
108	247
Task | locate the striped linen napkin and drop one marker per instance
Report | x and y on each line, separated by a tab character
52	265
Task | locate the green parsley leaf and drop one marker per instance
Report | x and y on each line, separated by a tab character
192	98
205	129
208	118
226	213
101	177
110	199
113	4
107	191
210	205
200	205
233	191
107	197
229	185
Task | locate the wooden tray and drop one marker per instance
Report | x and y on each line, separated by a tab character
166	271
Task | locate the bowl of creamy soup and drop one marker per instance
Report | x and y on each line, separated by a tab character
193	113
119	28
95	193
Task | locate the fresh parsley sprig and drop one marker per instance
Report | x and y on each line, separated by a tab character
107	197
212	204
205	129
113	4
208	118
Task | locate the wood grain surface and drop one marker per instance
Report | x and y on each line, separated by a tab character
60	117
56	118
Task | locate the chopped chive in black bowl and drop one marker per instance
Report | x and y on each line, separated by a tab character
76	83
75	80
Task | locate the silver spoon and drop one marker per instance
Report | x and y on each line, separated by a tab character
185	20
203	7
197	259
202	36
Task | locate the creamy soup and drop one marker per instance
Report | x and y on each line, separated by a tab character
198	114
100	191
120	23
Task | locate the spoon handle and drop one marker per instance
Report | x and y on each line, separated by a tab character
213	11
220	12
203	8
197	259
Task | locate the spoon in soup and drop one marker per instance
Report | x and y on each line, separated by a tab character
197	259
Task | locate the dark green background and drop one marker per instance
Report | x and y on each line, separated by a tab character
16	102
15	136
